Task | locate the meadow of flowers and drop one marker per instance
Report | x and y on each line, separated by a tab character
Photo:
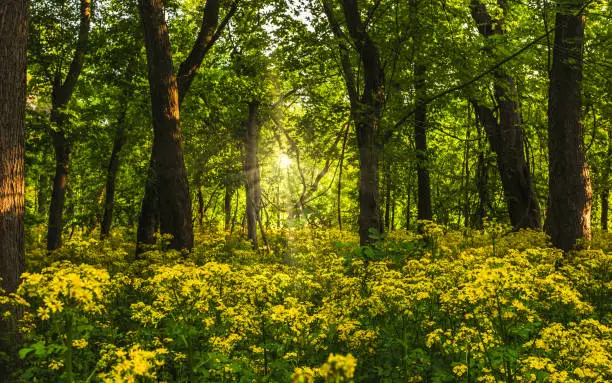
475	306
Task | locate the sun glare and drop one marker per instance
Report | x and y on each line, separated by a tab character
284	161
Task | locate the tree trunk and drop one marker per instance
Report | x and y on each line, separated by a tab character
251	172
366	110
388	201
569	203
605	194
506	136
227	204
424	211
41	195
200	206
604	209
61	94
167	153
58	196
111	177
14	41
148	220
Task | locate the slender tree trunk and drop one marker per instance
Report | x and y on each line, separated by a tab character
388	202
167	154
393	214
251	172
424	211
466	183
340	165
605	194
62	92
604	209
569	203
148	220
58	196
41	194
482	180
408	201
111	178
227	205
201	206
13	43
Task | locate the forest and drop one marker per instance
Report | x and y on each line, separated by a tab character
305	191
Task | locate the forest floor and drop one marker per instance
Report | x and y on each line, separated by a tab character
440	307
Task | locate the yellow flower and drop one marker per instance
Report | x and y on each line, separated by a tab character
79	343
460	369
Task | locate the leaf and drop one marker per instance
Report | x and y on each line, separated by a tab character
24	352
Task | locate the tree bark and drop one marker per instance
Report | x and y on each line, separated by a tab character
167	155
424	211
482	181
367	114
251	173
111	177
148	221
605	194
569	202
62	92
200	206
58	195
13	48
505	134
227	204
41	195
605	205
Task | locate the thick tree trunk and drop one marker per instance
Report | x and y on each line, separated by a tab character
506	136
424	211
507	142
111	178
251	173
369	210
366	110
167	154
569	203
210	30
13	62
13	48
367	113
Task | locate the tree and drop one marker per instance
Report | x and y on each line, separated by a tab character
251	172
173	217
62	92
504	132
366	109
13	40
171	188
569	201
